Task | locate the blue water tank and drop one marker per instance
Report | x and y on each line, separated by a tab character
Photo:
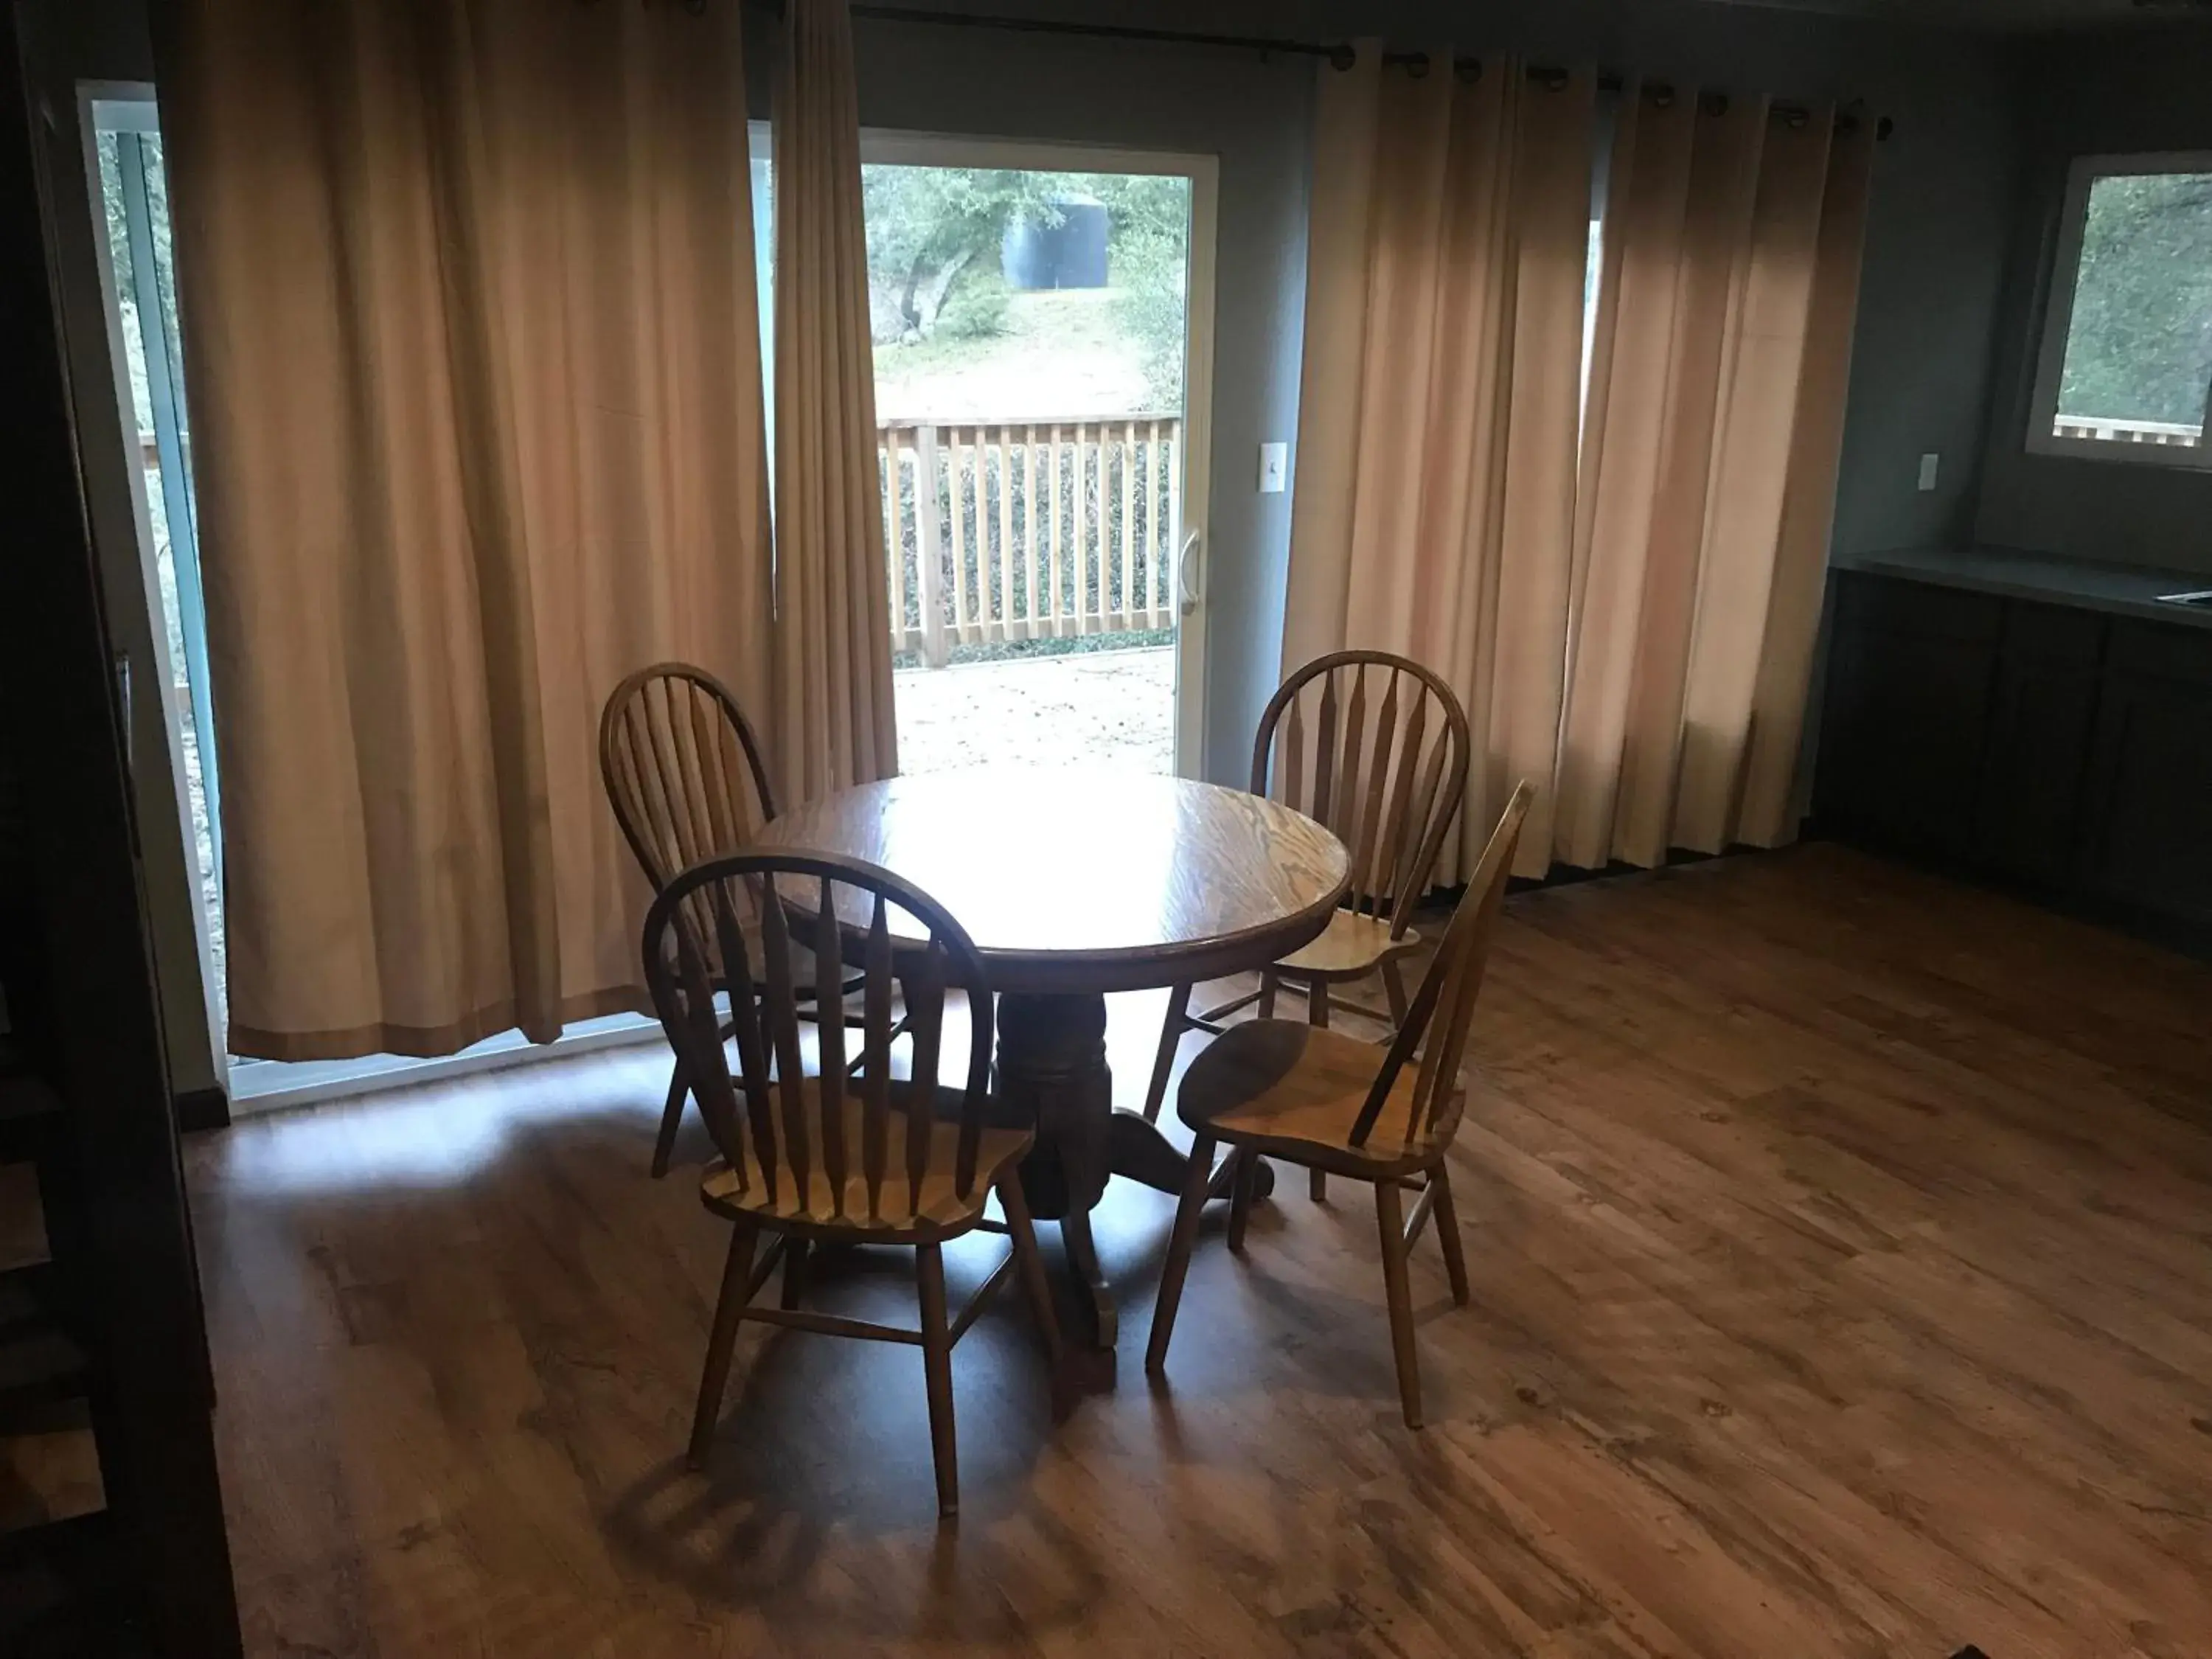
1025	255
1070	254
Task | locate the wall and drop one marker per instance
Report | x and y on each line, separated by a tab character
1936	242
2111	95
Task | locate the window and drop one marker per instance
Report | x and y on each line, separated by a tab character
2126	368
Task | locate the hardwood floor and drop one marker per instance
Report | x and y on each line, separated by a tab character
1841	1242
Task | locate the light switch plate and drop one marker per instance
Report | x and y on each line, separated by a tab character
1274	468
1927	465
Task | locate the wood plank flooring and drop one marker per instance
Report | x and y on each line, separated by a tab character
1841	1242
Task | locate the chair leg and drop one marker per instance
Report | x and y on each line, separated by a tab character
729	1308
1394	991
794	1270
1317	1014
1448	1234
1269	984
1195	1183
1242	1178
671	1118
1391	1224
937	1368
1170	1040
1023	1232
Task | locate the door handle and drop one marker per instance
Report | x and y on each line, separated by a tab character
1189	568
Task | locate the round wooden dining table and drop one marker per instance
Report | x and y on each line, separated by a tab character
1074	882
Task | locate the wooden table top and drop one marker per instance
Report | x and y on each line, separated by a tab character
1075	881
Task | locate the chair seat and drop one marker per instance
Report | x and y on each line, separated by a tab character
801	958
937	1209
1295	1091
1352	946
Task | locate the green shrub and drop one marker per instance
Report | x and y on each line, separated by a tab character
977	307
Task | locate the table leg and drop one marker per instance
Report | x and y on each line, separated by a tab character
1135	1149
1052	1070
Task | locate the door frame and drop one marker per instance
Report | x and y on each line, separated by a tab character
884	147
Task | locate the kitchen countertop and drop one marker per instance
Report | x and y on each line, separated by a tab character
2123	590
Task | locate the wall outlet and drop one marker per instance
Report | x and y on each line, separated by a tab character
1927	465
1274	468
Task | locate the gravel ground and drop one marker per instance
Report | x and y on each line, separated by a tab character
1107	709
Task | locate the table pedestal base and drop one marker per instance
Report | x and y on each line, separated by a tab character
1052	1064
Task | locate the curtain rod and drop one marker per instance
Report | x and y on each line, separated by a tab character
1340	53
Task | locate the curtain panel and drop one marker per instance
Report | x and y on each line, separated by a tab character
1720	359
1619	575
473	359
833	653
1439	407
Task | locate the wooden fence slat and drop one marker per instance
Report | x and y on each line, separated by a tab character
1151	524
1163	554
893	465
1005	537
1175	523
1131	610
1058	545
1080	479
1029	528
929	546
1105	531
962	615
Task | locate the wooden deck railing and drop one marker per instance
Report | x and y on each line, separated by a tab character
1028	530
2172	434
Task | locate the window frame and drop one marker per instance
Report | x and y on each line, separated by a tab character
2065	275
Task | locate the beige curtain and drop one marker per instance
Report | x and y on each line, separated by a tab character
1720	359
1434	514
474	367
832	600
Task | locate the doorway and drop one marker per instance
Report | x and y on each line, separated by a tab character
1041	325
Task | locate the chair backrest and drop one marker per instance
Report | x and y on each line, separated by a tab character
1443	1008
1375	747
851	916
682	768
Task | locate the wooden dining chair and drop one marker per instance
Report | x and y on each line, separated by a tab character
1309	1096
817	1154
1375	747
682	769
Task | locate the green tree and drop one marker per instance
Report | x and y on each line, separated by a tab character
1148	252
928	227
2140	344
934	235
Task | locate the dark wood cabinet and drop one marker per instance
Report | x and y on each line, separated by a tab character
2042	708
1911	673
2054	747
2148	834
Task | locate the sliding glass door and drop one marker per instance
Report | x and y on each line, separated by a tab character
135	198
